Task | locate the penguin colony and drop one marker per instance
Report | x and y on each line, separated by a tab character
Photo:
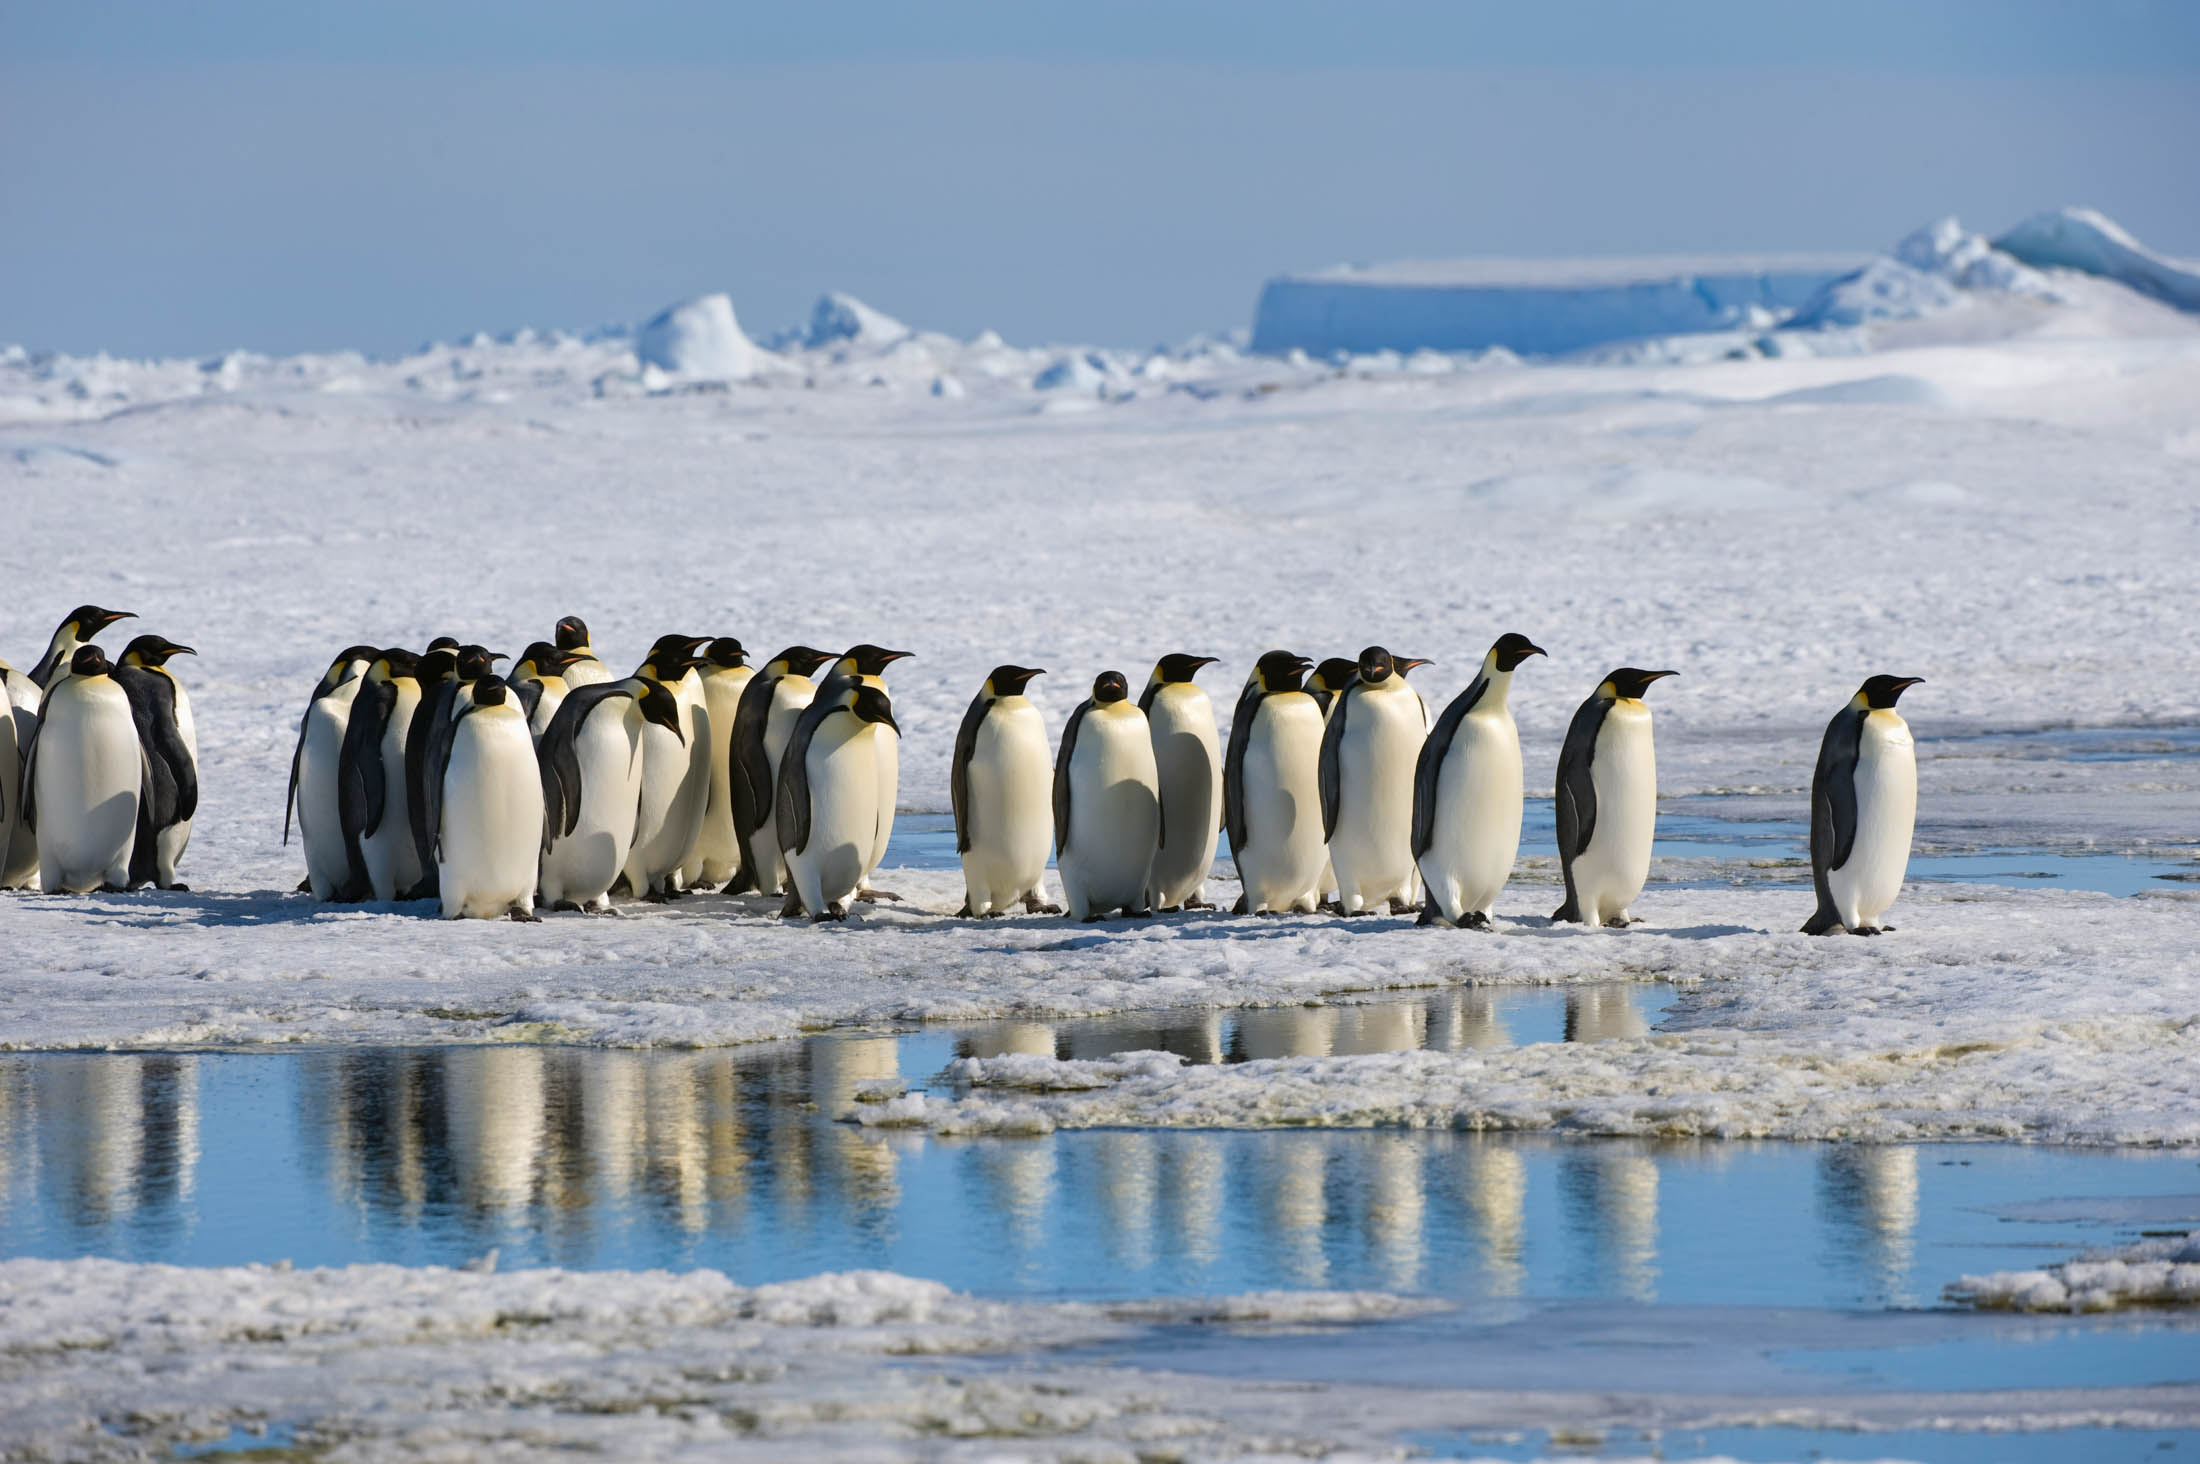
430	776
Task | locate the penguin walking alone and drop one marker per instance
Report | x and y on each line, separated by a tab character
828	796
334	868
77	628
675	775
1271	788
771	705
485	804
1187	755
1107	805
1608	801
1371	743
586	668
19	702
168	735
591	767
373	800
1468	793
726	673
87	774
1001	786
1863	810
867	664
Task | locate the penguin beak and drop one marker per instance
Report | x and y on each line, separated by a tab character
1301	665
181	651
1534	650
498	656
1408	663
659	706
892	656
111	617
1650	676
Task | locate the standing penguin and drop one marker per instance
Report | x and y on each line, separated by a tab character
80	625
675	775
1370	744
19	702
373	800
867	664
1271	788
334	870
1608	800
591	761
1107	805
726	673
1863	809
485	804
169	738
771	704
1187	755
1467	794
437	675
1000	784
828	796
87	773
571	636
538	680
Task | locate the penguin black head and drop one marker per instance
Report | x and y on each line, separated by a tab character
475	662
545	657
1011	680
670	663
802	660
90	620
152	650
572	634
1629	683
1511	649
402	662
1403	664
89	661
1176	668
1375	666
489	691
440	664
334	676
1335	674
726	652
870	660
1882	692
443	643
1108	688
682	644
1282	671
659	705
873	705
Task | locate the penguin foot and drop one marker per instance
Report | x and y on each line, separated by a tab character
1092	919
1871	930
1041	907
1196	905
1428	914
792	907
1139	914
1400	907
1476	920
964	912
180	889
565	906
1331	907
660	897
305	886
1241	907
832	912
872	897
114	889
524	917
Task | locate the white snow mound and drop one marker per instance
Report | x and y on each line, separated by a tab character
1936	268
2158	1272
699	338
838	317
2093	243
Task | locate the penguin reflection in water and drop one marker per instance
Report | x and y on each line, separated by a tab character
1608	800
1107	805
1000	786
828	805
1863	810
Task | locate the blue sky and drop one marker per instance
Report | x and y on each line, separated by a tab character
285	176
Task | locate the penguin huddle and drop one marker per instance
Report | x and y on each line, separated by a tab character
99	763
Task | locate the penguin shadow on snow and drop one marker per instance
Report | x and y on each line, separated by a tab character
1554	929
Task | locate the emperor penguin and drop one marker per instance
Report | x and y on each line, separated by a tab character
1370	743
1271	788
1107	805
373	799
726	673
445	687
771	704
828	796
538	680
867	664
1863	809
485	804
1326	683
587	669
19	701
1608	800
80	625
169	737
1187	755
1467	794
675	775
334	868
1000	782
591	766
87	773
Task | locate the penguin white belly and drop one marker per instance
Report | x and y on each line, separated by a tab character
12	874
587	671
1886	817
1372	851
393	863
1188	760
718	851
675	794
843	775
581	867
546	705
88	771
1478	804
1610	873
1282	861
889	794
765	857
492	817
1114	814
320	828
695	788
169	843
1011	810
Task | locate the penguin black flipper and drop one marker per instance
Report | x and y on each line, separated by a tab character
436	761
1233	767
172	779
29	813
958	786
1429	767
361	791
1577	795
1061	776
1332	765
753	793
1833	811
529	696
427	717
560	757
297	756
794	784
